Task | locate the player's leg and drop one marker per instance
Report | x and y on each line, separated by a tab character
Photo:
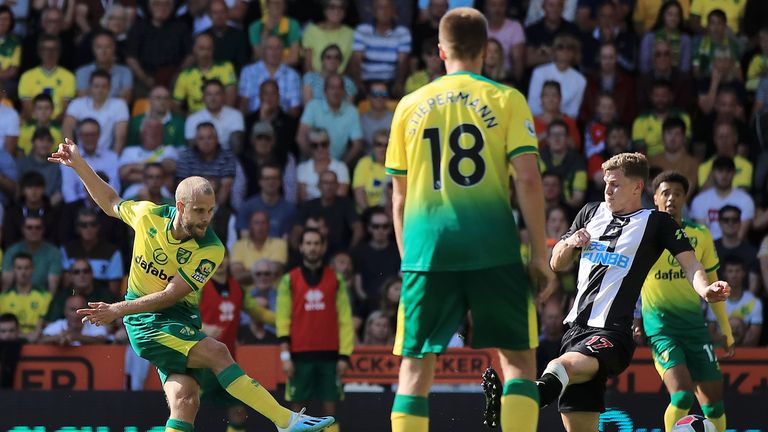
330	390
669	357
183	395
329	408
710	395
580	421
431	308
570	368
504	316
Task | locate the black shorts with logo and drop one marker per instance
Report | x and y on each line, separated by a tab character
612	349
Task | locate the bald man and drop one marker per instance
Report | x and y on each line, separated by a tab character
175	253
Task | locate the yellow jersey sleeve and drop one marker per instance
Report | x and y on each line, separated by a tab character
202	265
709	258
131	211
229	77
397	158
521	135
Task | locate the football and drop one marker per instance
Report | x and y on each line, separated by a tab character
694	423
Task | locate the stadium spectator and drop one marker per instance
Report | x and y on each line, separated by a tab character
550	334
9	128
32	202
10	49
24	299
560	69
647	13
647	127
734	11
380	49
509	34
51	21
101	159
390	299
728	108
342	264
309	171
344	227
314	326
425	29
762	256
662	69
79	282
378	330
42	110
551	97
264	292
726	141
207	158
566	162
111	113
11	343
730	245
47	258
224	218
540	32
610	78
552	189
114	230
313	82
432	69
676	156
105	58
538	9
228	121
616	141
117	19
152	188
369	180
160	109
230	43
285	125
726	73
611	30
263	150
379	113
158	47
330	31
758	65
716	38
269	199
376	259
37	161
494	66
49	77
190	85
706	206
272	67
104	257
741	305
258	244
605	114
338	117
668	27
71	330
134	159
274	22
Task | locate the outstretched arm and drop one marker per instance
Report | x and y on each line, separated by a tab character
697	276
102	193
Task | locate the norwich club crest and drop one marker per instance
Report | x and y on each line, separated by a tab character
183	255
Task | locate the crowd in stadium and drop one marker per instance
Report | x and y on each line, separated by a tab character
285	106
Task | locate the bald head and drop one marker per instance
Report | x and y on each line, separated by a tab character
191	188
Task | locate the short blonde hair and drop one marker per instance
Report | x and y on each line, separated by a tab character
189	188
631	164
463	33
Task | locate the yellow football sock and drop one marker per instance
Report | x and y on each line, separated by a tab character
679	405
519	406
173	425
410	414
251	393
235	428
332	428
716	414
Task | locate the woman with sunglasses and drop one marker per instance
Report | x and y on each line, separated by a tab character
320	161
314	81
370	179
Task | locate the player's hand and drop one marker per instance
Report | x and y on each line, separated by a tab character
288	368
730	352
717	292
68	154
578	239
98	313
341	368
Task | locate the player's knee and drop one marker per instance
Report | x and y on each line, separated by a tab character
416	376
217	354
714	410
185	401
682	399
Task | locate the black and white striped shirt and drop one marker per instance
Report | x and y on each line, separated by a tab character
613	267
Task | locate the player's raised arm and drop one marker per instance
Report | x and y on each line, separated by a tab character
102	193
100	313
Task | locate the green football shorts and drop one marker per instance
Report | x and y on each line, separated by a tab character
695	351
434	304
314	380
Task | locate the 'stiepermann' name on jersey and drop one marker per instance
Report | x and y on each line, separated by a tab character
149	268
452	97
596	253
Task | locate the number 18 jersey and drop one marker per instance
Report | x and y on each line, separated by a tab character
453	140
